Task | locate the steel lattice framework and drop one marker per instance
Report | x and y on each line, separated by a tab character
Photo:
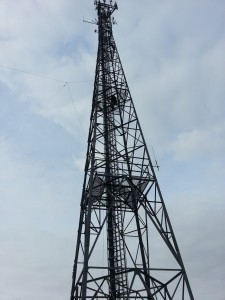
123	214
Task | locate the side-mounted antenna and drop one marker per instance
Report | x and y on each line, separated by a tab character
94	22
156	163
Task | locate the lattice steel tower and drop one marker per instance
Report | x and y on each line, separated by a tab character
126	247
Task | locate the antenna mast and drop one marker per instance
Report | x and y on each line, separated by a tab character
126	247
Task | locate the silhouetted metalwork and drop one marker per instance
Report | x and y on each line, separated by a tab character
126	247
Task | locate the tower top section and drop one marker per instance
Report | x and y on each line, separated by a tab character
105	8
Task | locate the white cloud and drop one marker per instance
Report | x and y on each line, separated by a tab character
37	227
198	143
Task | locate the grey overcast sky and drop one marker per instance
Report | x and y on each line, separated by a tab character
173	56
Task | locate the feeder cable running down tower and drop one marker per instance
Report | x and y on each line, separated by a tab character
121	199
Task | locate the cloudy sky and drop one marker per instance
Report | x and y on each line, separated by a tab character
173	56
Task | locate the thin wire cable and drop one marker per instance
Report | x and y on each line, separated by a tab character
66	84
73	102
18	125
53	96
42	76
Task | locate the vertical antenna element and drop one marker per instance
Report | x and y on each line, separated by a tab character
121	199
